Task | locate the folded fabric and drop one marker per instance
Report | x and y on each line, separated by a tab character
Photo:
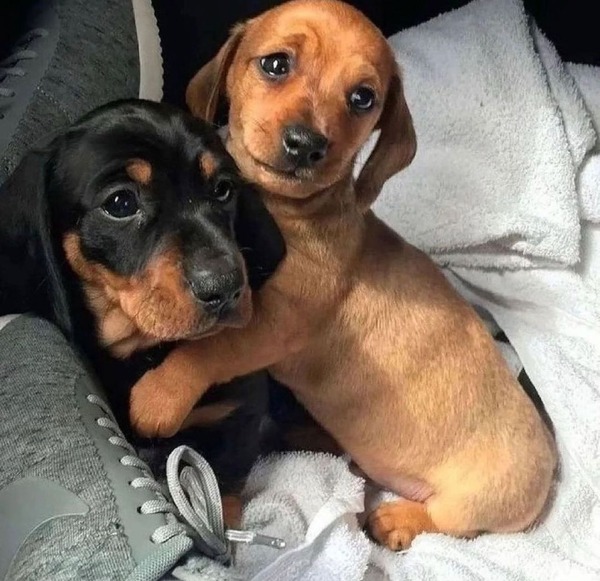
552	318
588	81
502	131
311	501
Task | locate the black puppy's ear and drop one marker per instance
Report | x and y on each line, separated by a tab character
30	273
259	238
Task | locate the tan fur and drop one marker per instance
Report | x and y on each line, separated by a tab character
363	327
232	511
140	171
208	164
137	312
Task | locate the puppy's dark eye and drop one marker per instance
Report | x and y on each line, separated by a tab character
224	190
361	99
275	65
121	204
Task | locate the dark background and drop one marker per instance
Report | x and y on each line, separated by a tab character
193	30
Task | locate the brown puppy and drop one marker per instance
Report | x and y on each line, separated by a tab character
363	327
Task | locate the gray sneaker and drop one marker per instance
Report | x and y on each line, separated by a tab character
73	56
76	502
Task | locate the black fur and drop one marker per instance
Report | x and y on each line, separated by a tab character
59	188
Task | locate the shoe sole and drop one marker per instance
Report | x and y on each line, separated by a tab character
6	319
150	51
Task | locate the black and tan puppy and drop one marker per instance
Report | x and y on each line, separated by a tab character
133	230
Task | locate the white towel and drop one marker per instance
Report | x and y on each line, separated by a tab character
311	501
502	130
552	318
588	81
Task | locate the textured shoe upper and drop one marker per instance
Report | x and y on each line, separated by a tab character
88	55
22	70
110	521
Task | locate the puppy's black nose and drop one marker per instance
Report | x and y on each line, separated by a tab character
217	286
303	146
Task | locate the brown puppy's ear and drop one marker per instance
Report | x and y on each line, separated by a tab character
203	91
395	148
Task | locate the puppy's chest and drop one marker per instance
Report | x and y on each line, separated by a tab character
305	284
318	261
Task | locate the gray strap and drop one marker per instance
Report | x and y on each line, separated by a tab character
196	495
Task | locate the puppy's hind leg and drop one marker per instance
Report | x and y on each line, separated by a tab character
492	509
468	501
495	488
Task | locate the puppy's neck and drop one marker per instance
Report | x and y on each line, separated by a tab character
331	202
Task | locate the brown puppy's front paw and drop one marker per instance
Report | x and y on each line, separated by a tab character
396	524
156	410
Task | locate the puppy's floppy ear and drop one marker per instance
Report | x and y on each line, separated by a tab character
259	238
30	273
395	147
207	85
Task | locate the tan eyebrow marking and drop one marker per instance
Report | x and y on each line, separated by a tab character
140	171
208	163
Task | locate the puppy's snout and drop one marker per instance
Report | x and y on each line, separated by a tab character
303	146
217	285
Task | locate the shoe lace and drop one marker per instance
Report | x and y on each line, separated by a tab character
196	509
8	66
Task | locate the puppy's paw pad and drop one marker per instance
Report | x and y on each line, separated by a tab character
396	524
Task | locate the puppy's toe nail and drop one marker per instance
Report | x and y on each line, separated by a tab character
388	526
395	539
399	539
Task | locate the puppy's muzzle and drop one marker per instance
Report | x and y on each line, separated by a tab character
217	286
303	147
